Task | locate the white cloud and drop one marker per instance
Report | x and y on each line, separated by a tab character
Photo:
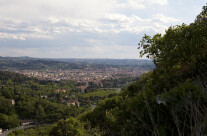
135	24
11	36
158	2
142	4
81	27
41	9
22	19
116	17
108	23
164	19
38	9
136	4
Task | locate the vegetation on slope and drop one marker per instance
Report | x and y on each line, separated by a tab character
32	99
34	131
170	100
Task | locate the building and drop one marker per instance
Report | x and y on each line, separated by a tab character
27	122
13	102
62	90
44	96
0	131
73	102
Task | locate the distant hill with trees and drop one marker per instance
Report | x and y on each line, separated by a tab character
28	63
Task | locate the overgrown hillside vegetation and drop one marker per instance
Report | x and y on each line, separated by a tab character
169	101
28	98
43	101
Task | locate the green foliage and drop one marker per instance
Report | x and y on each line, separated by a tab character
68	127
170	100
106	115
25	107
202	17
6	106
40	112
35	131
180	110
179	54
136	87
8	121
99	93
34	99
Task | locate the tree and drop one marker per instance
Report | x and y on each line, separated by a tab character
202	16
171	99
8	122
68	127
6	106
9	82
40	113
179	54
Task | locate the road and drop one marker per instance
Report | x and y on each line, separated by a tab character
11	130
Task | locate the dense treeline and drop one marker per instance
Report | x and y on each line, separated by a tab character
17	78
28	98
37	64
26	63
22	97
34	131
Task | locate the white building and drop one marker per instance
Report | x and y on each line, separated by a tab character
27	122
13	102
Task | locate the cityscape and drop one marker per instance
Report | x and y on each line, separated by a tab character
82	75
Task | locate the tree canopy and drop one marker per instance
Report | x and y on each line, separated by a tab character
180	53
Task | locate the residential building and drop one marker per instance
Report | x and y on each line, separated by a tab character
27	122
13	102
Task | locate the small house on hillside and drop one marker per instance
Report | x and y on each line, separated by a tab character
73	102
13	102
44	96
27	122
60	90
70	103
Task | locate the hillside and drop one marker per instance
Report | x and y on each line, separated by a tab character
168	101
23	98
28	63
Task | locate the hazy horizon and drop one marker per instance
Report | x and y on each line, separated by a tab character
76	58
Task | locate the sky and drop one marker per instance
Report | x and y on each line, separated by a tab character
87	28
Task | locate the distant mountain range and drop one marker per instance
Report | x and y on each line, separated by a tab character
24	63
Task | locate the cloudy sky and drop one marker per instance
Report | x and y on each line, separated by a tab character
87	28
